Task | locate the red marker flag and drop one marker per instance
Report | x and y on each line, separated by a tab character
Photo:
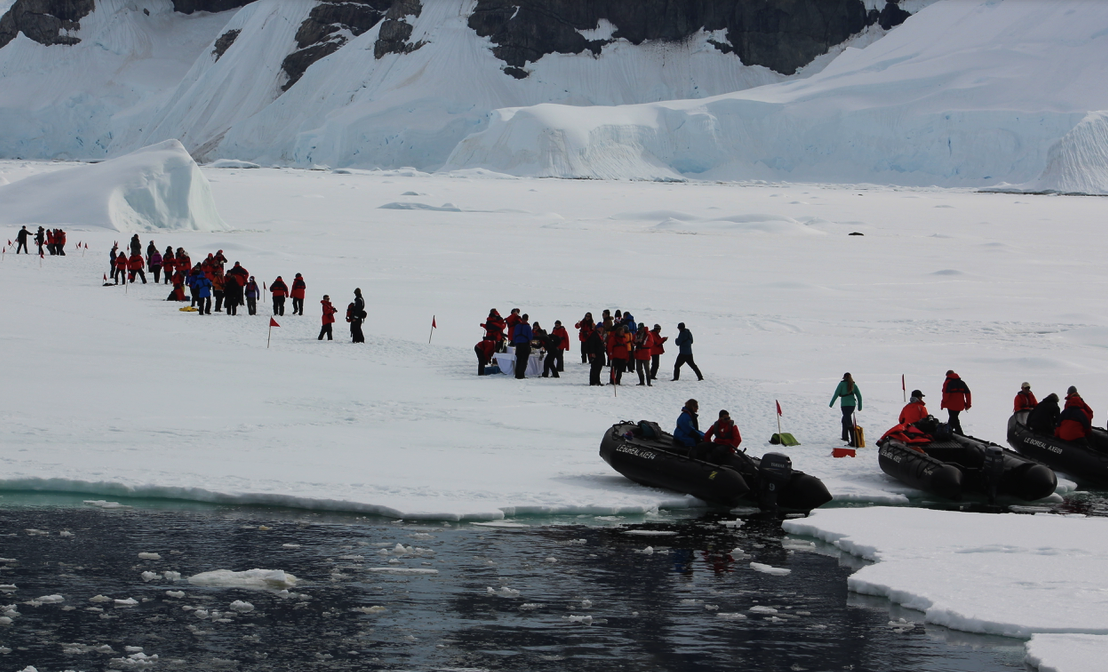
778	406
433	327
9	243
105	277
273	322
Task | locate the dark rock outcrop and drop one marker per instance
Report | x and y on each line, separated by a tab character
395	32
44	20
321	33
892	15
224	42
190	6
783	35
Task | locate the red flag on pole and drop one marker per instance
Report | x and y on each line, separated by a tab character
9	243
273	322
778	406
433	325
105	277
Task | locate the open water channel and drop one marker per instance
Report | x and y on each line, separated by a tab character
588	593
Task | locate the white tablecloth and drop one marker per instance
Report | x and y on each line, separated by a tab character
507	363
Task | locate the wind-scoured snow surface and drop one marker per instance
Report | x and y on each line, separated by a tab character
156	188
1012	575
964	93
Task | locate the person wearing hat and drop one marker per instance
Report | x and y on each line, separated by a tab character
1025	399
915	410
657	350
684	343
298	291
1044	417
21	240
328	318
1076	418
956	398
850	399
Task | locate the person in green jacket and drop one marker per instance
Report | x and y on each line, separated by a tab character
850	397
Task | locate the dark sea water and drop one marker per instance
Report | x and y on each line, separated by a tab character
587	593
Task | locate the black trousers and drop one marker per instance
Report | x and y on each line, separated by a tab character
558	359
685	359
297	306
481	361
219	296
204	305
523	353
848	424
326	330
232	306
643	369
140	273
195	296
279	305
22	246
252	305
618	367
954	422
157	271
596	369
654	361
550	364
584	355
356	334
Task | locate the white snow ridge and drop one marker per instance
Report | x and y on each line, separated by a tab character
158	187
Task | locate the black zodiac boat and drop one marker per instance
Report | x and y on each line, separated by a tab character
770	483
1086	463
959	465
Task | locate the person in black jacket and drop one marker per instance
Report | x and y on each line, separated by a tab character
21	240
1044	416
356	317
553	346
594	349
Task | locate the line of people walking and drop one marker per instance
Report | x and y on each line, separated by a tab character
52	239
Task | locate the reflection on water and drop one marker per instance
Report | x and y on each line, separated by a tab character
694	594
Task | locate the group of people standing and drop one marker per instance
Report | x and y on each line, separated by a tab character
52	239
616	341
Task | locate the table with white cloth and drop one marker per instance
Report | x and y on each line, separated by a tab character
507	363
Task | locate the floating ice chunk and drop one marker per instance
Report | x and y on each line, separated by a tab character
7	587
730	615
149	556
132	649
258	579
8	560
732	523
37	533
760	609
65	533
583	620
530	606
738	553
551	560
135	661
769	569
689	601
126	602
651	533
375	609
176	594
147	577
242	607
100	598
711	607
49	599
5	620
504	591
649	550
290	545
105	505
172	576
586	604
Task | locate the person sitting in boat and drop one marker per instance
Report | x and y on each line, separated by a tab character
1073	425
1044	417
720	442
1025	399
688	432
915	410
1074	400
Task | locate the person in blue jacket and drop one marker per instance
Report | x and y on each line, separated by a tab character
521	338
850	399
684	343
688	432
203	286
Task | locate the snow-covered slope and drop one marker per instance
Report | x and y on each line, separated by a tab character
156	188
966	92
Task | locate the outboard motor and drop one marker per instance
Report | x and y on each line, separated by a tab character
993	469
773	474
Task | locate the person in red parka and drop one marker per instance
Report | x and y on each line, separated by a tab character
511	322
1075	422
618	342
120	268
1025	399
657	351
136	264
559	332
484	349
721	441
494	328
644	344
328	318
585	327
956	398
915	410
279	290
298	288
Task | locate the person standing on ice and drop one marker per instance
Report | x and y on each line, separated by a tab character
644	343
136	245
40	240
585	326
135	265
154	263
121	267
328	318
203	292
169	263
356	315
1025	399
521	338
484	349
279	290
511	322
657	350
252	293
850	399
563	344
21	240
956	398
298	292
687	433
684	343
914	410
594	349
